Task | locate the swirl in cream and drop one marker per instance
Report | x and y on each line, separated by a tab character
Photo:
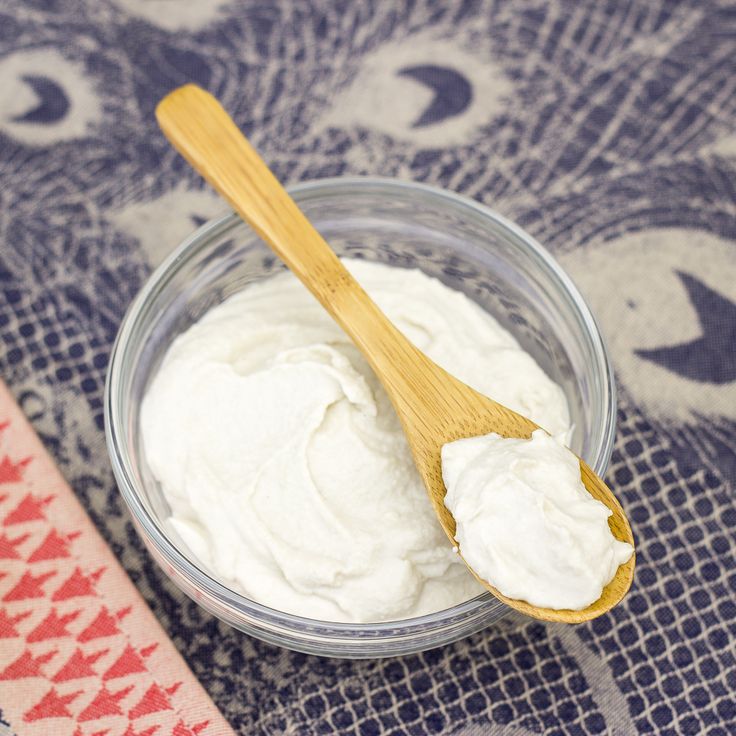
284	464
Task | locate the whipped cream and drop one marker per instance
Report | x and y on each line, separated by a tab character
526	523
284	464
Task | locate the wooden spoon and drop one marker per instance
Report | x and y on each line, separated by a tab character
433	406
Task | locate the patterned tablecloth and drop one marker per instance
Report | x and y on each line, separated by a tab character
606	129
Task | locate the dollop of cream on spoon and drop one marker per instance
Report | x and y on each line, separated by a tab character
526	523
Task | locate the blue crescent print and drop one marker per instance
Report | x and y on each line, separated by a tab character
710	358
53	103
453	93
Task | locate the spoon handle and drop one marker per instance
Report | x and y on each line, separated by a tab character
204	134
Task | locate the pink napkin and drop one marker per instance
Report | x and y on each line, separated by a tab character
80	651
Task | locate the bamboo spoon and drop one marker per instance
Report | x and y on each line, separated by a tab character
433	406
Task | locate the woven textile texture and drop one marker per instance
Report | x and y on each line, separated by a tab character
606	129
80	649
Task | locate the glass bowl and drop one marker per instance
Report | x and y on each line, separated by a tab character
406	225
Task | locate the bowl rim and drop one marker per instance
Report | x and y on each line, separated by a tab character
200	579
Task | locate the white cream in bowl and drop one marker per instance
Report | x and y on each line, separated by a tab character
286	469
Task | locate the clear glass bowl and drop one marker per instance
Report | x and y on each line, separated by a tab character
406	225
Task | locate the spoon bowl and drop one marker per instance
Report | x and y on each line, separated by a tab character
433	406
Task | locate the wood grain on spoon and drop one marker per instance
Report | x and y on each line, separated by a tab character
433	406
